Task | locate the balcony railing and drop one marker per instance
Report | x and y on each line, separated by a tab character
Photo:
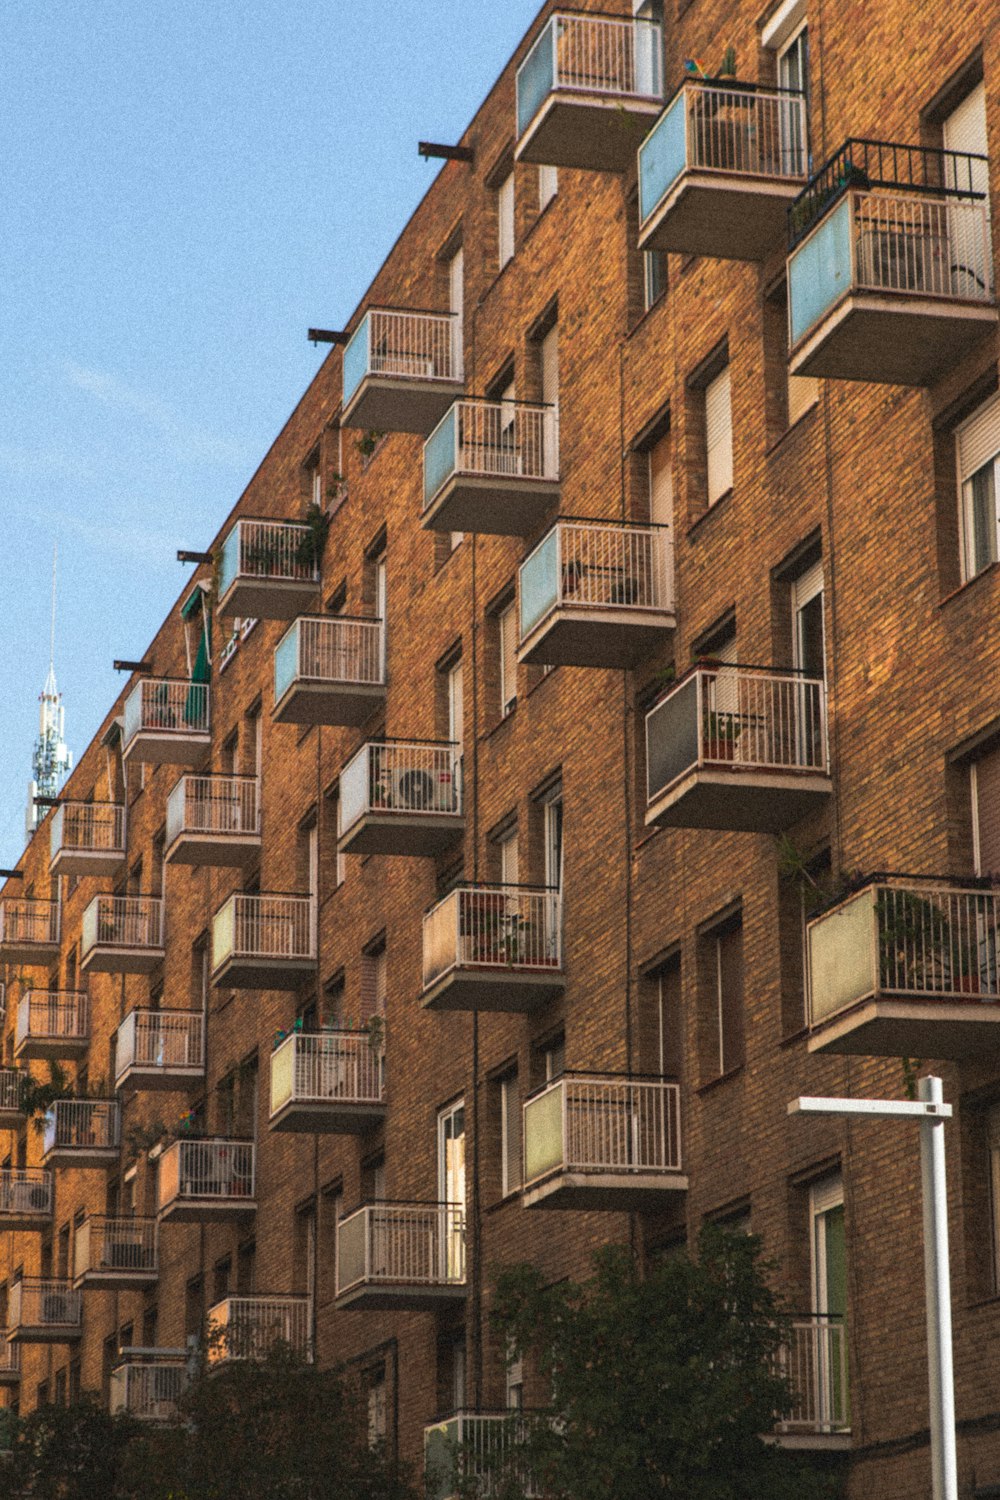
46	1307
25	1193
318	655
160	1041
11	1083
10	1360
403	345
205	814
405	780
251	1327
3	1003
122	1248
504	927
331	1069
206	1172
267	929
26	924
125	925
88	829
404	1245
80	1128
477	1448
815	1361
509	442
613	1125
148	1385
280	552
51	1017
166	707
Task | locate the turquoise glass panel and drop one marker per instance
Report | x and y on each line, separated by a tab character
662	157
230	565
539	583
439	455
286	662
356	359
819	271
535	78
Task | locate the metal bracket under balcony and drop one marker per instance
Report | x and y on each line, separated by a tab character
264	942
402	370
205	1180
401	797
160	1049
25	1199
87	838
330	1082
907	966
588	91
214	820
493	948
122	935
401	1256
117	1255
739	748
596	594
329	670
167	722
492	467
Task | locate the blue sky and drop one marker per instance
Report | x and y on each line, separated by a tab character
186	188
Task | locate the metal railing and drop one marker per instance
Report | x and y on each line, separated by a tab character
11	1080
755	718
213	1169
25	1190
264	926
409	777
403	345
329	649
908	937
122	922
213	804
328	1067
487	439
280	550
166	705
251	1327
10	1357
160	1039
148	1389
596	565
81	1125
403	1244
477	1447
24	920
88	826
3	1003
590	54
580	1123
815	1362
493	927
115	1244
44	1302
52	1015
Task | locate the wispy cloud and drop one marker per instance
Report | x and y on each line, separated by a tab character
188	441
32	463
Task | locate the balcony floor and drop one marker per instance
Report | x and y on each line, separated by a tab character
892	340
169	1078
400	403
417	835
492	505
399	1297
739	801
34	1334
162	748
317	1117
45	1049
724	215
263	973
112	1279
8	1377
81	1157
344	703
811	1442
224	850
11	1119
108	958
518	991
192	1210
86	861
32	955
268	598
623	1192
25	1222
593	132
596	637
954	1030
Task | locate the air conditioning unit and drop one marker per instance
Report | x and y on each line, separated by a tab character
38	1197
420	790
56	1308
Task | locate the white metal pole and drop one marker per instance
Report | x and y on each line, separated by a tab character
941	1377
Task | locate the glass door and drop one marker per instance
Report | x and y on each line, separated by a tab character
829	1284
451	1189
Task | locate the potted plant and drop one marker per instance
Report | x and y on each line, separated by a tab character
721	732
309	552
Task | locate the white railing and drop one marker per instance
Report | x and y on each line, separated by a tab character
492	438
25	1190
400	776
122	922
148	1389
762	133
213	1169
43	1302
166	705
52	1015
593	565
621	1125
406	1244
494	927
479	1447
97	827
10	1088
264	926
815	1362
115	1244
251	1327
213	804
28	921
414	345
268	549
927	246
329	650
160	1039
81	1125
329	1067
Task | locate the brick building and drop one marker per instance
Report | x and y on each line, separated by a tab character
473	888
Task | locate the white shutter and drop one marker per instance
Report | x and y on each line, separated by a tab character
965	130
508	658
456	704
986	812
505	214
979	439
509	863
550	367
548	186
661	483
719	436
803	392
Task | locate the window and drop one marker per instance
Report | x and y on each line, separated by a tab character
507	630
510	1134
456	703
505	219
377	1406
725	964
828	1247
549	359
978	442
374	982
793	61
509	858
304	1271
451	1154
719	436
553	829
548	186
514	1383
654	276
663	1034
984	786
332	1205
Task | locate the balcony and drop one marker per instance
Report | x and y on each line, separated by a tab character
329	670
605	1143
122	935
10	1363
737	747
890	274
117	1255
167	722
42	1310
331	1082
160	1049
401	797
11	1113
596	594
491	467
87	838
402	370
242	1328
719	169
29	931
81	1133
25	1199
206	1180
476	1452
493	948
394	1256
268	570
214	820
815	1361
264	942
588	91
148	1383
906	967
52	1024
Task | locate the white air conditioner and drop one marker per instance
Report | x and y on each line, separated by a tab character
419	790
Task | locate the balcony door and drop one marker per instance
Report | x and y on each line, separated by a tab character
809	657
829	1299
451	1188
380	610
964	131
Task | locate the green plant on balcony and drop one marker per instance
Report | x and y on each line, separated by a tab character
309	552
721	732
36	1098
375	1028
368	442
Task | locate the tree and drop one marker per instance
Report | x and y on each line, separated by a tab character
67	1453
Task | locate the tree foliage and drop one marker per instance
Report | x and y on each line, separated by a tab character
67	1453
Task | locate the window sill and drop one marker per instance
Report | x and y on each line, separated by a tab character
501	723
793	427
712	510
969	583
714	1083
545	677
505	1201
793	1038
641	322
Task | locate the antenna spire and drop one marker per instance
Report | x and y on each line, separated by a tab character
52	758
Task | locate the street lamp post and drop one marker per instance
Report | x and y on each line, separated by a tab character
931	1112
